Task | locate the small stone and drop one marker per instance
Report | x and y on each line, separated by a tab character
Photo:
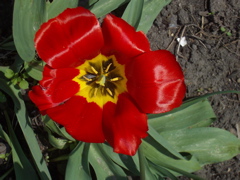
194	46
238	80
3	148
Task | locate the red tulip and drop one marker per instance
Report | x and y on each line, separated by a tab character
100	81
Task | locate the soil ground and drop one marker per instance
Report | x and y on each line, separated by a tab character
210	60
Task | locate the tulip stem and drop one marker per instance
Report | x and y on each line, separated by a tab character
142	164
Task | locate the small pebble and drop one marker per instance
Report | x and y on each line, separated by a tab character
238	80
3	148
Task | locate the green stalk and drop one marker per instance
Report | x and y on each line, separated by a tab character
142	164
6	174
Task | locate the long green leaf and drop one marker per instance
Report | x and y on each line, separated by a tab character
103	7
57	6
34	69
156	140
162	172
5	87
151	9
193	100
208	145
28	15
22	167
103	166
131	163
158	158
189	115
145	172
78	166
30	138
51	125
91	2
133	12
56	142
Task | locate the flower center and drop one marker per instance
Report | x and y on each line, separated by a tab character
101	79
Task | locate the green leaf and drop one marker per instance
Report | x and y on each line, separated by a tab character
133	12
131	163
22	167
151	9
14	81
103	7
5	87
193	100
58	6
56	142
77	165
145	172
30	138
91	2
163	172
161	144
28	15
155	156
23	84
34	69
8	73
189	115
209	145
51	125
103	166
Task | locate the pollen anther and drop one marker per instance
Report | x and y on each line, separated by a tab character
115	79
109	92
94	70
95	92
87	79
108	67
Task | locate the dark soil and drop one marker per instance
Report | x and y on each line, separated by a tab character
210	60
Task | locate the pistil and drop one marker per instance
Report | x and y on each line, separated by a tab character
102	80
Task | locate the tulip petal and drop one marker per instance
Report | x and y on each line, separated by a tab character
121	39
124	125
156	81
55	88
82	120
70	38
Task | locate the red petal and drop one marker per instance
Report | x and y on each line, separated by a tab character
82	120
156	81
69	39
124	125
56	87
121	39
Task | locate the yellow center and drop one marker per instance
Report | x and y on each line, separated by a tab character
101	79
